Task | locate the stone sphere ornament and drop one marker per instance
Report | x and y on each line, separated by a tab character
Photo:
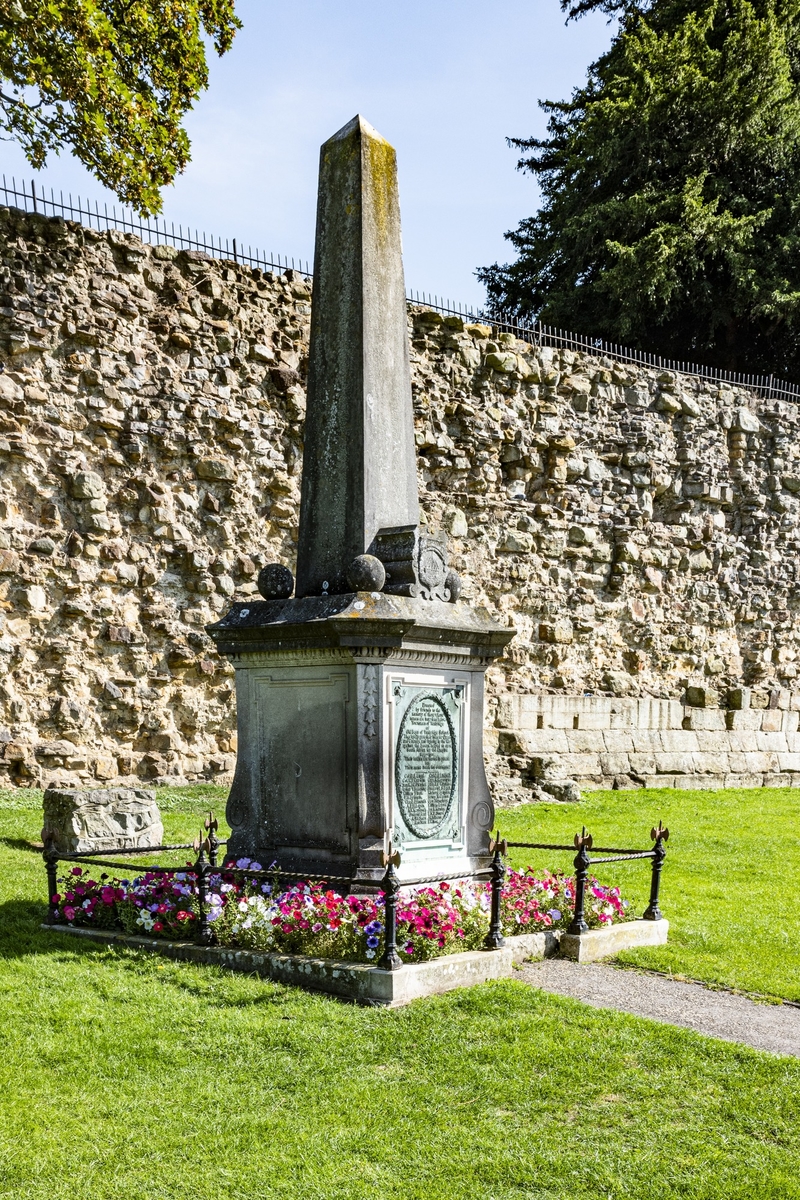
275	582
453	585
366	574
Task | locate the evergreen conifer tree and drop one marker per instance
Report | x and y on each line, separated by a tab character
671	190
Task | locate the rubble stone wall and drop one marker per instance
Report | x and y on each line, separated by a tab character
639	528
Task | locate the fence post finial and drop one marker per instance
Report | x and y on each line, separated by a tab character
659	836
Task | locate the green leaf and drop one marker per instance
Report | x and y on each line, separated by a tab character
111	80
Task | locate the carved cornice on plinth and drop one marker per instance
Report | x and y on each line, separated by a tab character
360	626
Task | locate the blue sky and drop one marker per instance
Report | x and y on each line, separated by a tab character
445	82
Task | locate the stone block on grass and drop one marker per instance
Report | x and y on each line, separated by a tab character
564	790
104	819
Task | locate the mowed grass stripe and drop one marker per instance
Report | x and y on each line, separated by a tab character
125	1074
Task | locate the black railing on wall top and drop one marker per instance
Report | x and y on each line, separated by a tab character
32	197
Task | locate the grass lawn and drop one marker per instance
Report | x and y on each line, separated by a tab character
126	1075
729	886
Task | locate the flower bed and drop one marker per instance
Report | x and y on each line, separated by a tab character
254	912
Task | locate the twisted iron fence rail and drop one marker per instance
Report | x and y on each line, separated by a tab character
207	847
582	843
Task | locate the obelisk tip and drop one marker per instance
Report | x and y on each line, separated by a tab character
357	124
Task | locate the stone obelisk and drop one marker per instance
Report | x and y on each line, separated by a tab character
360	699
359	456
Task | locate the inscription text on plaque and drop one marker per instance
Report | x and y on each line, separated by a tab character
427	766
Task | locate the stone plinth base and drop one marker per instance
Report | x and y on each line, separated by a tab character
366	984
360	720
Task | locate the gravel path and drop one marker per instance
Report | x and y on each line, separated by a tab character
772	1027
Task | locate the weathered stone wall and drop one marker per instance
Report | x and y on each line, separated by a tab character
639	529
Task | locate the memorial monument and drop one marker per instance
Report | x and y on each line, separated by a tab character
360	698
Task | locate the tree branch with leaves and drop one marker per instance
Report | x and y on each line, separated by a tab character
110	79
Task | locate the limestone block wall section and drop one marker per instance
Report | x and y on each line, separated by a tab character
602	741
639	528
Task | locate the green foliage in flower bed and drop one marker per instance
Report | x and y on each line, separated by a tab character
729	884
255	912
125	1075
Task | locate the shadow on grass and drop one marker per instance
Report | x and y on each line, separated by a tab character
21	844
22	936
21	933
272	992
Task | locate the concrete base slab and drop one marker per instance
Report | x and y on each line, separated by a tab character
531	947
366	984
602	943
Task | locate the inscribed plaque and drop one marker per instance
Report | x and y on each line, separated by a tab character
426	765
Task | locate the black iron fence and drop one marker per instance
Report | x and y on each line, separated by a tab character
207	846
582	843
768	387
31	197
156	231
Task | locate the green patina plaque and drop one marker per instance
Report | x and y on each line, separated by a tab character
426	765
